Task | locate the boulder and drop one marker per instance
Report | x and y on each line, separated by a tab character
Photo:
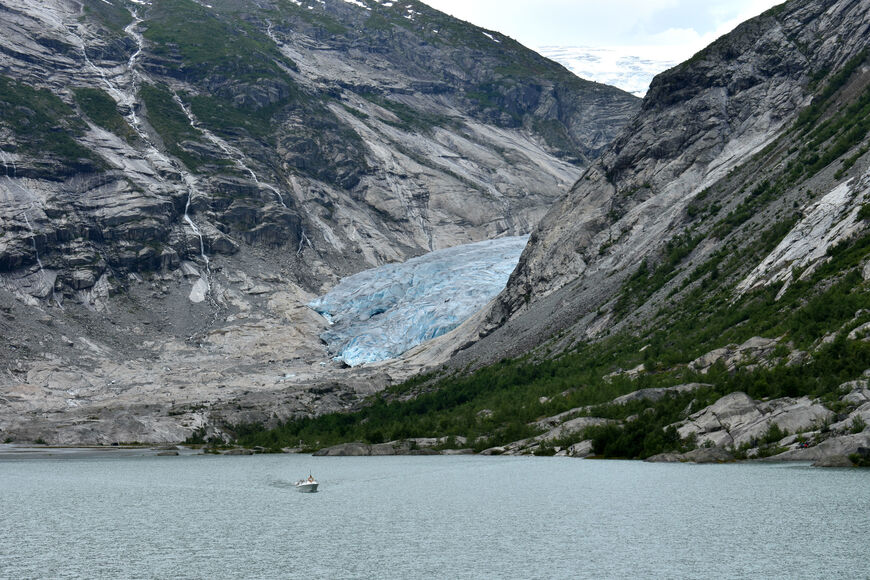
737	419
345	450
581	449
859	394
189	270
168	259
656	394
81	279
715	422
493	451
701	455
666	458
833	461
388	449
708	455
842	445
752	350
573	426
555	420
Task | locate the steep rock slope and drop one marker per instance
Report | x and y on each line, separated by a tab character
179	177
336	130
684	177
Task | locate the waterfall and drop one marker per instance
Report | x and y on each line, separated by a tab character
126	100
228	150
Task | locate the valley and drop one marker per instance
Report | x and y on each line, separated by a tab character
694	286
214	168
715	252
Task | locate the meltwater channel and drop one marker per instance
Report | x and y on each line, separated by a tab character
428	517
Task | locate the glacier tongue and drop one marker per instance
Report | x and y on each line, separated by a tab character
380	313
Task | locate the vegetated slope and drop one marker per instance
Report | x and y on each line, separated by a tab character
720	245
179	177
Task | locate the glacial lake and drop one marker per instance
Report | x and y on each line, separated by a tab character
428	517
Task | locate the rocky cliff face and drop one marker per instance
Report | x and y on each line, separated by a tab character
179	177
338	130
725	145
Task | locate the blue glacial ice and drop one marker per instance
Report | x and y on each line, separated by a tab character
380	313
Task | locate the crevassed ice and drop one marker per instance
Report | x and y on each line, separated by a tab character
380	313
631	68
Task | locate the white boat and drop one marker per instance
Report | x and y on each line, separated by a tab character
308	485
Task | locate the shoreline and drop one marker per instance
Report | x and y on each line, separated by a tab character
13	451
35	451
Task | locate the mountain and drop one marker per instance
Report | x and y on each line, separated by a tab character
702	290
717	155
181	178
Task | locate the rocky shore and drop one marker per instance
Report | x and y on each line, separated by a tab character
734	428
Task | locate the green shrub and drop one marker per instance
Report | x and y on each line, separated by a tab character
42	124
169	120
103	111
197	437
207	43
545	451
773	434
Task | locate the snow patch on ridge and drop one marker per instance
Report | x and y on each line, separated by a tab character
357	3
380	313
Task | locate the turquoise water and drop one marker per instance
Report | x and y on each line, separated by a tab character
428	517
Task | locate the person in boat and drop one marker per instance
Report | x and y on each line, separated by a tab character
310	478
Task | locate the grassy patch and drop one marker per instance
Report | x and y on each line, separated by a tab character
109	14
169	120
102	110
808	118
43	124
203	43
225	117
411	119
643	283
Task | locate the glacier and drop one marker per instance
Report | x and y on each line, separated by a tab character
380	313
630	68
